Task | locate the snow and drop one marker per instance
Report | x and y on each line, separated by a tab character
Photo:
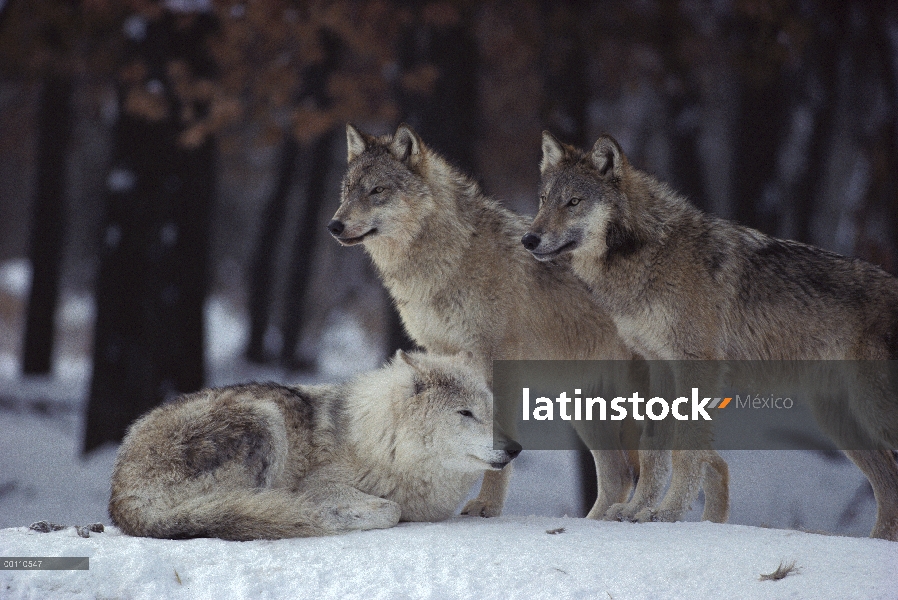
465	557
15	277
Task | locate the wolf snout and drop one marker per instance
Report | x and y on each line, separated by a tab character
511	449
531	241
336	227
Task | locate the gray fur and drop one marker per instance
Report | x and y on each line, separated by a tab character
682	284
452	261
270	461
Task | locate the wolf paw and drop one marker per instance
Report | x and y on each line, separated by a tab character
46	526
622	511
384	514
651	515
377	513
479	508
82	530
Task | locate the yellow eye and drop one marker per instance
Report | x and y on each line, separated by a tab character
574	202
377	190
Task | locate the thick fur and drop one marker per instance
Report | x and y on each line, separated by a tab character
681	284
265	461
452	261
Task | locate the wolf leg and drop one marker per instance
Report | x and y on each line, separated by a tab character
684	486
345	508
716	484
881	469
654	469
248	514
491	498
615	480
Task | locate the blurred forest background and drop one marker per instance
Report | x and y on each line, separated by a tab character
167	167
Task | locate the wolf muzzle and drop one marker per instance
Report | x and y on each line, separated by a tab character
511	449
531	241
336	227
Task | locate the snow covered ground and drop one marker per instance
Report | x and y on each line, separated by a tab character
466	557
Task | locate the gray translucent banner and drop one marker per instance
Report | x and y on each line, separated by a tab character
44	563
688	405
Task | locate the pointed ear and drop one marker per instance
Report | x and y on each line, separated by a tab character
406	145
355	143
607	157
553	152
409	360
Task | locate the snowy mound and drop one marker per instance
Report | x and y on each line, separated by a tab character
507	557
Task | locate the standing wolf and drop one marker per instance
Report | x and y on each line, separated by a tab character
255	461
452	261
681	284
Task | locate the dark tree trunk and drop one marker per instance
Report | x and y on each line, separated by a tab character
824	62
446	117
264	258
566	89
153	274
875	57
760	127
48	224
682	106
301	259
4	12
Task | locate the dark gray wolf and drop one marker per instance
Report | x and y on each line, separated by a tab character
681	284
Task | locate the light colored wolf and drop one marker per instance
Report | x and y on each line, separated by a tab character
405	442
681	284
452	261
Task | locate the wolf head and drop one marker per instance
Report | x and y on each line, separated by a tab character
583	205
385	193
446	414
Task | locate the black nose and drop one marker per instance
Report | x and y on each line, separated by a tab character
531	241
336	227
512	448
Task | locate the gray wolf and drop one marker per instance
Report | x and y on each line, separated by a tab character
452	261
266	461
682	284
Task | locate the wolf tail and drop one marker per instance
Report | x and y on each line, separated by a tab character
232	515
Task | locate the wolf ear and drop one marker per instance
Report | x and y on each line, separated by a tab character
355	143
409	360
607	157
553	152
406	146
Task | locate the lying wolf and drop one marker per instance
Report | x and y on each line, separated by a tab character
681	284
452	261
403	443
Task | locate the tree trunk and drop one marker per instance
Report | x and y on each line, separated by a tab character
154	267
303	255
48	224
265	257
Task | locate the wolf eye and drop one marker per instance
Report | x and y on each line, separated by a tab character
573	201
377	190
466	413
542	199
